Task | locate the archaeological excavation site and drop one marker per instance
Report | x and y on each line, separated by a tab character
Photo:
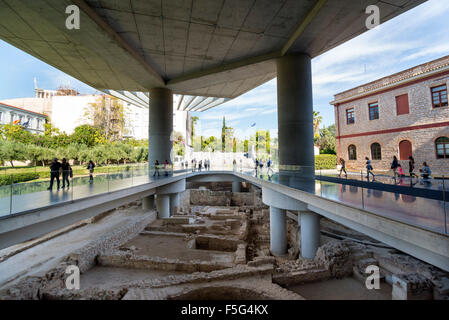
214	246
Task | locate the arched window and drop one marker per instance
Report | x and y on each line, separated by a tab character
352	152
376	151
405	149
442	146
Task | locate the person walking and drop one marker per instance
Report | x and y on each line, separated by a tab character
411	167
261	166
166	165
269	166
425	171
91	167
187	164
55	168
401	173
200	165
257	165
234	165
156	168
66	173
369	169
394	167
343	167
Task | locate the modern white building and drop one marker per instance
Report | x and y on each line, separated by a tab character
29	120
66	110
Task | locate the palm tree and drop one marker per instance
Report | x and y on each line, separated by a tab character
317	119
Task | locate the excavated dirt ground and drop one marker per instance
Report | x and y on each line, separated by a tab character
209	252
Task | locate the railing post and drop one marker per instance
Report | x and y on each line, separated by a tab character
107	178
444	204
10	199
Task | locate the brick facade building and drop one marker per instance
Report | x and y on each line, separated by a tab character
400	115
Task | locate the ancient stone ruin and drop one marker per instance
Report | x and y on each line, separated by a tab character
217	246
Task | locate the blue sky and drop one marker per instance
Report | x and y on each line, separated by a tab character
418	36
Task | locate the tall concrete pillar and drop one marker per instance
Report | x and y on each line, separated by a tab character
148	203
310	233
163	205
278	231
236	186
160	126
174	202
295	116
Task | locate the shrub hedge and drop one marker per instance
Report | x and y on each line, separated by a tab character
18	177
325	161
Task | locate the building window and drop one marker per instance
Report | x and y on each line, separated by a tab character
402	105
350	116
376	151
439	96
405	150
442	145
352	152
373	111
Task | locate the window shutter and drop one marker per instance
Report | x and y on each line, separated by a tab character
402	106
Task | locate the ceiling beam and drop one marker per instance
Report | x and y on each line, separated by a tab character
310	16
226	67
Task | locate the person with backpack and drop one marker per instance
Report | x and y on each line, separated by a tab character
411	167
425	171
66	173
91	167
55	168
156	168
394	166
369	169
269	166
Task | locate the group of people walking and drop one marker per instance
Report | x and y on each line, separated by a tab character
198	165
157	167
57	168
260	165
398	171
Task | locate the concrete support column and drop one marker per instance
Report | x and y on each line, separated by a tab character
236	186
310	233
148	203
174	202
160	126
295	116
163	205
278	231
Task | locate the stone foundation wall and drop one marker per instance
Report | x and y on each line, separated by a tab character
220	198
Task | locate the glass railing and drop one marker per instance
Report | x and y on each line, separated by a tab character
426	211
17	197
421	211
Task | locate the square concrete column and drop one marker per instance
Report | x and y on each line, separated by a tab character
295	116
160	126
278	231
310	233
163	206
148	203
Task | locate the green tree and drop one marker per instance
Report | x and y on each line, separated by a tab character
317	119
108	116
268	142
88	135
327	140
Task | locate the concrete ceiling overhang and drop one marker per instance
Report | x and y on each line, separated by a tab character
207	48
180	102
